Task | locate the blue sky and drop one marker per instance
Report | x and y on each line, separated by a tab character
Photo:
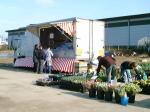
19	13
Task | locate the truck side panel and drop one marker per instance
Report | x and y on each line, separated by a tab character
23	44
98	39
82	39
89	39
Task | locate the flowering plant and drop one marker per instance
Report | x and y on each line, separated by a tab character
106	87
99	86
90	84
120	90
132	88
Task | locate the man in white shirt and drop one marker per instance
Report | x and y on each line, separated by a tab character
49	55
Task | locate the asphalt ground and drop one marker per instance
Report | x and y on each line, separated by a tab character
18	94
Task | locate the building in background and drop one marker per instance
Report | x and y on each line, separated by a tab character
126	30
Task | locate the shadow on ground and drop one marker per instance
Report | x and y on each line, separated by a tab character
142	103
10	67
86	96
78	94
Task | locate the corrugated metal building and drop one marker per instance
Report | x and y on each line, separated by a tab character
126	30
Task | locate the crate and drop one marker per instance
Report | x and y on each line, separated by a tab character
80	66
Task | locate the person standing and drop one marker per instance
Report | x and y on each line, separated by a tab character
41	60
110	64
35	56
49	55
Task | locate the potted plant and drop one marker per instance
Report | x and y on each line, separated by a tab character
91	86
131	90
145	85
92	91
100	91
80	86
74	83
119	93
108	90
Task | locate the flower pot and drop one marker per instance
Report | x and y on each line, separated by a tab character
92	93
74	87
69	86
146	90
108	96
100	94
78	87
131	97
83	89
63	84
117	98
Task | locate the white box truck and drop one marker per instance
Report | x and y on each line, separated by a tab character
72	40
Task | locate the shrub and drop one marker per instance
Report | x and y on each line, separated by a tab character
132	88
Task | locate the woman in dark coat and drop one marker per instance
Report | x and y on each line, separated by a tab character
41	60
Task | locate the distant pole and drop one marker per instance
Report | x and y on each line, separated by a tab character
129	39
118	47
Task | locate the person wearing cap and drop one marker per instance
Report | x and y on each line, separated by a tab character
110	64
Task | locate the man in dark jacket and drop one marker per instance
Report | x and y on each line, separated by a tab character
41	60
110	64
35	55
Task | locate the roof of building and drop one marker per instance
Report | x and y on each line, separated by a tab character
146	15
19	29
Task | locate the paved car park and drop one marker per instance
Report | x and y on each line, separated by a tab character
18	94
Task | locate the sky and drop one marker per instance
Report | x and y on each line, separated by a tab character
20	13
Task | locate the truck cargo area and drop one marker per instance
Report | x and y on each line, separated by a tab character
53	37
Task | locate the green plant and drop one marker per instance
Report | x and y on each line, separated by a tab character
120	90
100	86
75	83
145	85
90	84
89	76
102	73
142	83
145	66
92	90
102	78
93	86
132	88
74	79
107	87
100	92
